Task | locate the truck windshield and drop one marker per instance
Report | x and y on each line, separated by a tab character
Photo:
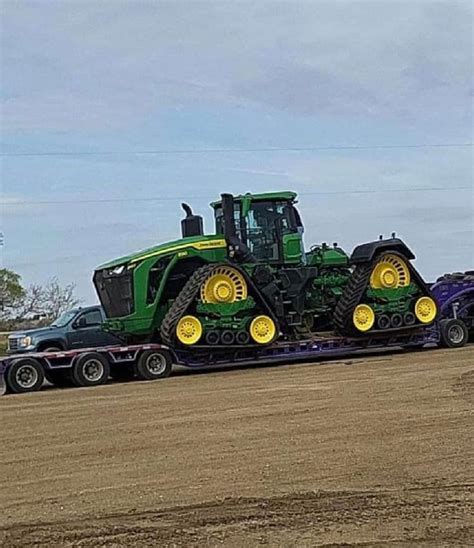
64	319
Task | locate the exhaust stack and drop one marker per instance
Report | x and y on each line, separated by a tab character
191	225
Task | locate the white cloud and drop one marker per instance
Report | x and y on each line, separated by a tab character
80	64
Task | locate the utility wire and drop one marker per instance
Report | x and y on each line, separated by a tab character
231	150
178	198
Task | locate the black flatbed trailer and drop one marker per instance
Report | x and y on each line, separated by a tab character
94	366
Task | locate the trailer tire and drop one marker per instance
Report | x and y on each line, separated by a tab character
58	377
153	364
90	369
454	333
24	375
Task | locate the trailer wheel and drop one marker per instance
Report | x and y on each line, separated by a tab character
153	364
90	369
24	375
454	333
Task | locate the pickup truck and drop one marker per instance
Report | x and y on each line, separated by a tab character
76	328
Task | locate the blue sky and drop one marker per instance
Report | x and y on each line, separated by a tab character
125	77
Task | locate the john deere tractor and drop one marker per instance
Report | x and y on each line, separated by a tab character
252	282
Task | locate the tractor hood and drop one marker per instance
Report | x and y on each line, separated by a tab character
200	243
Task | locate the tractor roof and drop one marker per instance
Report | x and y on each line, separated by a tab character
287	195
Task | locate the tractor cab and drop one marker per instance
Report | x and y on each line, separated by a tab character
262	228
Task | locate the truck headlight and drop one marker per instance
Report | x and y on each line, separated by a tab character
25	341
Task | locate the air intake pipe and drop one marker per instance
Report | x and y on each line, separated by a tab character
237	249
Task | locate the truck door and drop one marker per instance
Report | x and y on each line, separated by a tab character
85	329
105	338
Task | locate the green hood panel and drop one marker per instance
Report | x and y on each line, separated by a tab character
200	243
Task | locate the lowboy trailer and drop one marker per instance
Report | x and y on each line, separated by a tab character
454	294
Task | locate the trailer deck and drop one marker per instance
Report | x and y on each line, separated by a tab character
319	347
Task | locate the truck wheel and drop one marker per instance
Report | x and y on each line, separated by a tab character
58	377
90	369
454	333
153	364
24	375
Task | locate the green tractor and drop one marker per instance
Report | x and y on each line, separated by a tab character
252	282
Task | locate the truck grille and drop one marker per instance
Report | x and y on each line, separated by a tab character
13	344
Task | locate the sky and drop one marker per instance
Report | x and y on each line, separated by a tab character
114	112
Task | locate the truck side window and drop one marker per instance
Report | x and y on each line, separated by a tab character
91	318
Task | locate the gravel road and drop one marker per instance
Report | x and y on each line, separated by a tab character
368	451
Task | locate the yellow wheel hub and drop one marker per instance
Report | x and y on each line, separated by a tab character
425	309
224	285
363	317
189	330
262	329
390	272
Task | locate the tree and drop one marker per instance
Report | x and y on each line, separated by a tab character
58	299
45	301
12	293
49	300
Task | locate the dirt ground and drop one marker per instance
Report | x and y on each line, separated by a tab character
367	451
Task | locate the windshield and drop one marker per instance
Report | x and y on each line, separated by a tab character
64	319
263	227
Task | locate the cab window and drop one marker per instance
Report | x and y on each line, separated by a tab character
262	237
90	319
267	222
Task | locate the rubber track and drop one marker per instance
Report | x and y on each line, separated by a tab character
181	303
354	291
351	297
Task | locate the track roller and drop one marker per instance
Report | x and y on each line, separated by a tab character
227	337
409	318
363	317
242	337
189	330
263	329
396	320
212	337
383	321
425	309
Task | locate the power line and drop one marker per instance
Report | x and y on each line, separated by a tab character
178	198
231	150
